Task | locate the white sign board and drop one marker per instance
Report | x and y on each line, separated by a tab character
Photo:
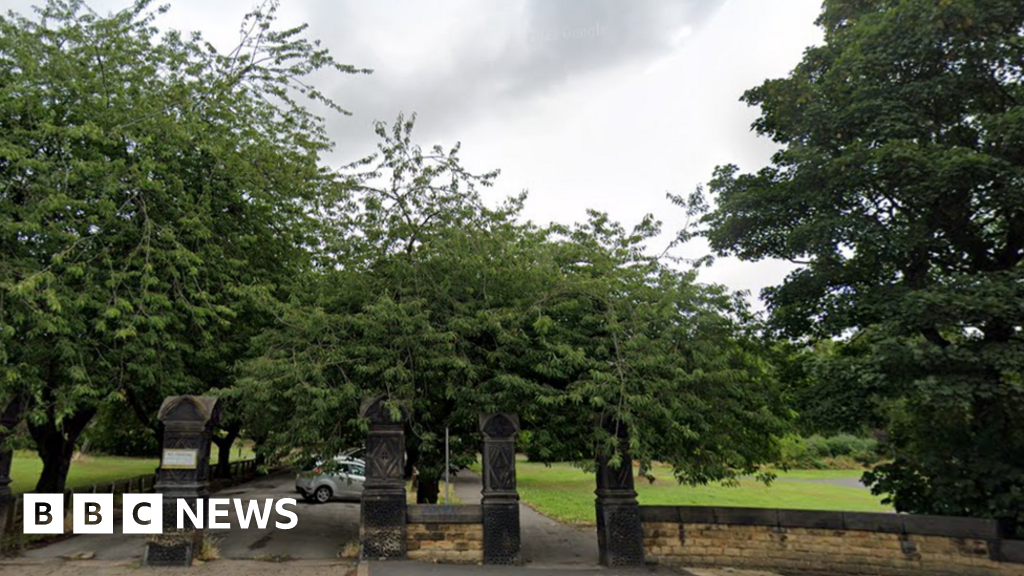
180	459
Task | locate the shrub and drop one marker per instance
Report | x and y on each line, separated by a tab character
817	446
842	451
842	445
793	451
209	549
868	454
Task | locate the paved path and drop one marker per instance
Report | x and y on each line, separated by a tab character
57	567
844	482
425	569
322	532
545	542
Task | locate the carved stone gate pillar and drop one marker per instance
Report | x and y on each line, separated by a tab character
382	512
500	499
184	473
620	537
8	420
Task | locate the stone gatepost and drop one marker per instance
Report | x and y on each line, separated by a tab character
184	473
620	536
500	501
382	511
8	420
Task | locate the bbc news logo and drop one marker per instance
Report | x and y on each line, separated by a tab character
144	513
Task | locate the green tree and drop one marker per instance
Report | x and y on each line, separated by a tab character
153	193
452	309
831	386
418	298
897	191
621	335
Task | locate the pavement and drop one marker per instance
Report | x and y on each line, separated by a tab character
424	569
60	567
545	542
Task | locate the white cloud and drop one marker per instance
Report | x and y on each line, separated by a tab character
605	104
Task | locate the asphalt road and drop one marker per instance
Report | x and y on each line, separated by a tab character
322	531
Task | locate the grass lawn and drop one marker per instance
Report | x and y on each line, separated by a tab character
87	470
567	493
239	451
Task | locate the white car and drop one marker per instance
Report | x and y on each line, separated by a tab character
342	478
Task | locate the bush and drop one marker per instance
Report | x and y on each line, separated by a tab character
841	445
850	445
817	446
842	451
792	450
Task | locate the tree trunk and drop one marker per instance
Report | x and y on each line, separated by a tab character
412	453
257	447
427	490
145	414
224	450
55	446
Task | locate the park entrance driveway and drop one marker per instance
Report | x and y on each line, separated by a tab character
322	532
545	543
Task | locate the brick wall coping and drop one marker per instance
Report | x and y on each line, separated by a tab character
444	514
949	526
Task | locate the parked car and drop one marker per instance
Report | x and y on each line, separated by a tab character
342	477
354	453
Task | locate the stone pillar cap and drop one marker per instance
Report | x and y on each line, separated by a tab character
501	425
373	409
189	409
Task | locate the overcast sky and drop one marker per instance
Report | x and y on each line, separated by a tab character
604	104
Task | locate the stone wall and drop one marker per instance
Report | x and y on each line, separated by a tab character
810	542
453	534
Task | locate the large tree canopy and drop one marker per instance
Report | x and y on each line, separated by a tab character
623	335
153	191
454	309
899	191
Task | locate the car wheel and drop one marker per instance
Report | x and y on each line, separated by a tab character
322	494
